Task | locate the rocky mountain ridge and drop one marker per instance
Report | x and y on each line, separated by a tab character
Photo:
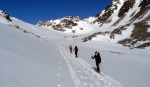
63	24
120	17
135	13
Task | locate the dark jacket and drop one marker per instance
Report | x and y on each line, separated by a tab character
76	49
97	57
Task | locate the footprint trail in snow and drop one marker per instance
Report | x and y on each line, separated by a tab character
83	74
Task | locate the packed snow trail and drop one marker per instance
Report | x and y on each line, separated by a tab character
83	74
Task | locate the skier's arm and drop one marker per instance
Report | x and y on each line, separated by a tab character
93	57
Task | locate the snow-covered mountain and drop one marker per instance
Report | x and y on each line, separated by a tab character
69	24
129	19
125	22
32	56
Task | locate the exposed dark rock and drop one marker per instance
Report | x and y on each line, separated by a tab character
64	23
125	8
6	15
144	3
88	38
105	16
117	31
118	21
140	14
139	33
109	10
142	46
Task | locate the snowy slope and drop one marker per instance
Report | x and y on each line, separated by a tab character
31	56
27	60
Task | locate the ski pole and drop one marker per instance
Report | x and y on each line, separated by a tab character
102	69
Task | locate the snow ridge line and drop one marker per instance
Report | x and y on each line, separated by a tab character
96	80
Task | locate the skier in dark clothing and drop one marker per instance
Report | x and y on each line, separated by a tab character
76	50
97	60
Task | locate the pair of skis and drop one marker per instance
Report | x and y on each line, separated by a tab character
101	73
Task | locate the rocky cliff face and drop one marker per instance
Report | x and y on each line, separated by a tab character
103	17
127	5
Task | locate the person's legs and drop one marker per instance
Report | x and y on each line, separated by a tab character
97	65
70	50
76	53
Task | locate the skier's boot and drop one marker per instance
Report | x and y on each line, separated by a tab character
98	71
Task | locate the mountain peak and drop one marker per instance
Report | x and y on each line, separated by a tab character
68	23
122	22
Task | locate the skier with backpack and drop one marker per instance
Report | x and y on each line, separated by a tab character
76	50
97	58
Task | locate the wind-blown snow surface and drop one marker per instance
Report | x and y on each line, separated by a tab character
30	61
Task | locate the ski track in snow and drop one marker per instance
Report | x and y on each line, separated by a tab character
83	74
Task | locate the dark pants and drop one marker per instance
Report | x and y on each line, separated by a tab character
70	50
97	64
76	53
